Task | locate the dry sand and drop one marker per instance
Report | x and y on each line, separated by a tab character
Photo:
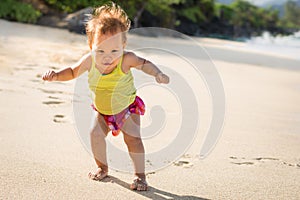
42	157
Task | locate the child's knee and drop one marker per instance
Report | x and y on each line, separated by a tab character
97	133
131	140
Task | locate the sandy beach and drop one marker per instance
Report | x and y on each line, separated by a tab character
43	157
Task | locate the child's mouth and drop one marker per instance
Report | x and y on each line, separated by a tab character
106	64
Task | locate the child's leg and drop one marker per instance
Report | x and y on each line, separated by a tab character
98	133
132	138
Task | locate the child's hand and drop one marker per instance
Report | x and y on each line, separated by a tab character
162	78
50	76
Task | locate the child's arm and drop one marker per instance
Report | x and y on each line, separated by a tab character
69	73
147	67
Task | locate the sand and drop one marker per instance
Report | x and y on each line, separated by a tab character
42	156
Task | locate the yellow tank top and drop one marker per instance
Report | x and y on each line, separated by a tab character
111	93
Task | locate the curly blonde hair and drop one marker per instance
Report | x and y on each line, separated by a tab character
109	18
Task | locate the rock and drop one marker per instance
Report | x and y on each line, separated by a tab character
76	21
52	21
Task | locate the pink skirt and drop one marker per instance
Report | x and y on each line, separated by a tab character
116	122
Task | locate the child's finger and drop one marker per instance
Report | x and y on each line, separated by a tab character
52	75
158	79
44	77
164	79
48	76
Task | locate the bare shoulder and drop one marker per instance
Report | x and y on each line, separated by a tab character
130	60
130	56
86	61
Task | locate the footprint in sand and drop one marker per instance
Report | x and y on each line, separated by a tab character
53	102
184	162
60	119
37	79
291	164
148	162
265	158
54	91
239	161
52	97
181	163
244	161
54	68
28	68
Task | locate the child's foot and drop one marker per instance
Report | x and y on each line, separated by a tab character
139	184
99	175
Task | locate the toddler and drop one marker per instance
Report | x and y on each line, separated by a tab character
115	102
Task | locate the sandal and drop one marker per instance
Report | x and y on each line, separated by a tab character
139	185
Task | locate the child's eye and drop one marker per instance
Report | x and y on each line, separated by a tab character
115	51
100	51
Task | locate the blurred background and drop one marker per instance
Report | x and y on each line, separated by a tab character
225	19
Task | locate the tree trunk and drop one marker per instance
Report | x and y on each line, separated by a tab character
138	15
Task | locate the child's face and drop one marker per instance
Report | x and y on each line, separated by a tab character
108	49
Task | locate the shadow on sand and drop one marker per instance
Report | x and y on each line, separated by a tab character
152	193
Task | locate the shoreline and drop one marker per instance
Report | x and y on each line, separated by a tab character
212	45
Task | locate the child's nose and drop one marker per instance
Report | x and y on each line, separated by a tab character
107	58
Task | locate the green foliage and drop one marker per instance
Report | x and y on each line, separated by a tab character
243	12
72	6
291	18
244	16
208	8
18	11
197	11
131	7
163	10
224	12
239	17
193	13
